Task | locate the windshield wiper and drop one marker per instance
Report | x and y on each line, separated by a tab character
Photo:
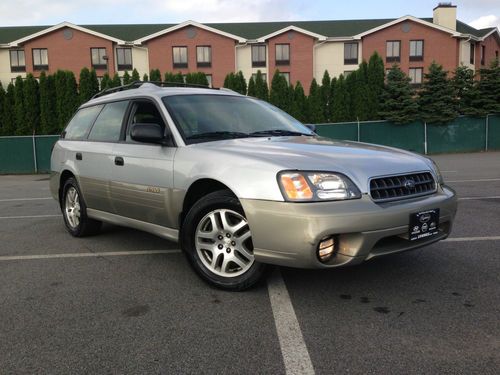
277	132
218	134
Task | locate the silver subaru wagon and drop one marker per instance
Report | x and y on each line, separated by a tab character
241	184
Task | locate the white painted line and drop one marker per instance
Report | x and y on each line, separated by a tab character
470	239
476	198
28	217
24	199
84	255
293	348
479	180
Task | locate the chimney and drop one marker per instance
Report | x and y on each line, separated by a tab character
445	14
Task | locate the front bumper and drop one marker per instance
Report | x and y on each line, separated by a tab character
288	234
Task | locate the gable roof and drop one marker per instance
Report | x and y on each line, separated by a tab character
239	31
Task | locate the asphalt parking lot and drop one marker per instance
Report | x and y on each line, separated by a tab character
127	302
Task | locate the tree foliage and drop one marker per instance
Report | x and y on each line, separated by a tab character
31	106
251	88
126	78
397	104
261	88
155	75
135	75
315	105
340	101
279	94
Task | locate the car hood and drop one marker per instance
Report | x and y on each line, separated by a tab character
359	161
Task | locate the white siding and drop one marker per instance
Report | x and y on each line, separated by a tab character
140	61
465	54
330	56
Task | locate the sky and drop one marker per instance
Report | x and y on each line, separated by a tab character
478	13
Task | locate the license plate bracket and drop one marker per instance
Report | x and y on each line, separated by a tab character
423	224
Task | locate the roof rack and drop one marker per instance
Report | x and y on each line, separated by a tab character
137	84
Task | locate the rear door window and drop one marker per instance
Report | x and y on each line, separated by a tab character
107	127
82	121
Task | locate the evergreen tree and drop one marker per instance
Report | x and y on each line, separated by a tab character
436	101
7	114
135	75
169	77
261	88
376	81
251	88
94	82
299	104
325	95
19	114
31	106
279	91
241	83
60	102
126	78
178	78
361	94
489	88
106	82
230	82
70	99
145	77
197	78
315	108
85	89
333	83
463	84
350	85
397	104
116	81
340	101
155	75
48	117
2	106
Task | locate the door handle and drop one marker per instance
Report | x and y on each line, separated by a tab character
119	161
78	156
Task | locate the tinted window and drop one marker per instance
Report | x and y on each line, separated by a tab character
108	125
80	124
145	113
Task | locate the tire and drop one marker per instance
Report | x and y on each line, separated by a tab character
216	227
74	211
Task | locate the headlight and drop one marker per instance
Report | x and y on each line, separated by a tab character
440	180
316	186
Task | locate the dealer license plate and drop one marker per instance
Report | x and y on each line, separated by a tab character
424	224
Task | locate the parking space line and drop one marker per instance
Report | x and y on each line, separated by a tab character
476	198
479	180
25	199
470	239
293	348
85	255
28	217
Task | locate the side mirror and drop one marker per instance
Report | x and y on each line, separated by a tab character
311	127
147	133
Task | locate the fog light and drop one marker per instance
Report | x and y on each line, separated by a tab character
326	249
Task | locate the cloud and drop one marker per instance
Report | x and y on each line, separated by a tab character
486	21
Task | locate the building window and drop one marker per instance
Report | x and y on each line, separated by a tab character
483	53
263	75
416	75
203	56
124	58
393	51
416	50
40	59
258	56
282	54
17	61
180	57
209	79
99	58
472	53
286	75
350	53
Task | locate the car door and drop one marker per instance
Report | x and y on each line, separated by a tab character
96	156
142	175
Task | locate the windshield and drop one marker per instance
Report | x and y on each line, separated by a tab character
204	118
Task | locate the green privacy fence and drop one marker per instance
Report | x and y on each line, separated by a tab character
465	134
26	154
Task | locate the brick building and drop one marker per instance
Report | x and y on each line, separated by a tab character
300	50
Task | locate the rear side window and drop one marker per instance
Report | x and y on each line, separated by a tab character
107	127
80	124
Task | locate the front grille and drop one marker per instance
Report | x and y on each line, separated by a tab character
404	186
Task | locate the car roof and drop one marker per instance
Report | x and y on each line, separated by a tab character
154	91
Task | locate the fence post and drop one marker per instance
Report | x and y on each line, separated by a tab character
425	137
34	153
359	138
487	129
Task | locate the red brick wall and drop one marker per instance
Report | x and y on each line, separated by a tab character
301	57
223	53
491	44
73	54
438	46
